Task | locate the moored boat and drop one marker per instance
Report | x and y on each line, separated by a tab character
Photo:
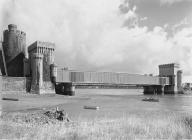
150	100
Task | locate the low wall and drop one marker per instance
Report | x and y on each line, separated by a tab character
15	84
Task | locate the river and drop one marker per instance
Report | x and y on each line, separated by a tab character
111	103
130	100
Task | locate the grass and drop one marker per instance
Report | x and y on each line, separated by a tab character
155	126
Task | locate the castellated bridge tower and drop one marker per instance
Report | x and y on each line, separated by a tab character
14	47
40	67
175	77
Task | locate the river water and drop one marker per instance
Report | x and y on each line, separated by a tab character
111	103
130	100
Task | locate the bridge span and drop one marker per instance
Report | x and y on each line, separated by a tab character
67	80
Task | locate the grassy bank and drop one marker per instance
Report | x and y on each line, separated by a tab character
169	126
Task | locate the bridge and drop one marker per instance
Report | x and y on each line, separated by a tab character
67	80
43	77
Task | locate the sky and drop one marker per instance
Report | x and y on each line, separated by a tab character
133	36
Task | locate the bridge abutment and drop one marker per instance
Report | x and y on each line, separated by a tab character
174	75
65	89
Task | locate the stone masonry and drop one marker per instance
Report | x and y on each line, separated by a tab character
41	57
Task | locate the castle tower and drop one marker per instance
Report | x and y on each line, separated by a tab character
172	72
46	51
37	73
14	47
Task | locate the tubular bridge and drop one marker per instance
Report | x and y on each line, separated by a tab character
67	80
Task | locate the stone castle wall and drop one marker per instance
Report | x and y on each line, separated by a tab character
15	84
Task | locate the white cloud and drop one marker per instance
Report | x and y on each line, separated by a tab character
89	34
171	1
144	18
183	23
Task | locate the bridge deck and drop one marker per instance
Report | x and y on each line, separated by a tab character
100	78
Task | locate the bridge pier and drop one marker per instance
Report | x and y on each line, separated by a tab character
148	89
65	89
151	89
69	89
161	89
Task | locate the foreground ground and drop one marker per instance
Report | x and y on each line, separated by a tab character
148	126
119	117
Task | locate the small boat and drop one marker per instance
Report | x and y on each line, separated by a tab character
91	107
10	99
150	100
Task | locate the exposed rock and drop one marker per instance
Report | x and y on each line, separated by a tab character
42	117
59	115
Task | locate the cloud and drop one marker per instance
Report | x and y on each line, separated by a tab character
186	22
172	1
102	35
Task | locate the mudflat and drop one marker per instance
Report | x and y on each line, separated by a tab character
114	104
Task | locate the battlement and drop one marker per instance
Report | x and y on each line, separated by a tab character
175	65
41	44
20	33
46	44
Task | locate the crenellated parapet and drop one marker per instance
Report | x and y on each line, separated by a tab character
45	48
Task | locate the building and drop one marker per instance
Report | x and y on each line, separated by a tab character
34	73
14	51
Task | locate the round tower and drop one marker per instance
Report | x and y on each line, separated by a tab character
10	42
14	46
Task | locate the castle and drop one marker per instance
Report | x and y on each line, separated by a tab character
36	64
